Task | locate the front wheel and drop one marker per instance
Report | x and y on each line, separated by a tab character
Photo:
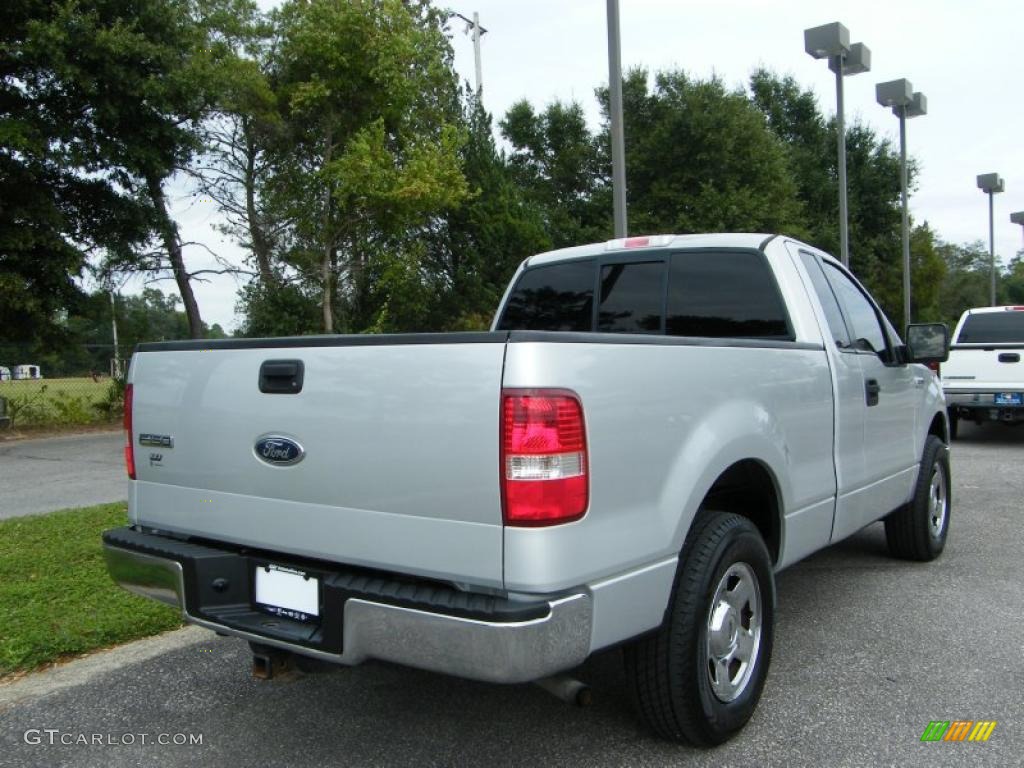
699	677
918	530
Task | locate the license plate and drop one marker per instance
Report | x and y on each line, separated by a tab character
1009	398
287	592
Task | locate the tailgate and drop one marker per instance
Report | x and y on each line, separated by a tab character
399	436
984	368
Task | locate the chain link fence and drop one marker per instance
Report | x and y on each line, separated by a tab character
71	387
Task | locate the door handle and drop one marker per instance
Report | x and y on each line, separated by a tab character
871	390
1009	357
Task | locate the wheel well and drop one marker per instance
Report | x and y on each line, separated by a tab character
938	428
747	489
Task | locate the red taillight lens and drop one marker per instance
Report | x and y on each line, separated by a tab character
937	367
544	457
129	449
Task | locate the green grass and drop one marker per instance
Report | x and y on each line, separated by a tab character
56	402
56	599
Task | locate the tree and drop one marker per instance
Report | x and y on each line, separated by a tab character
966	283
479	244
370	146
59	203
234	165
702	160
560	167
1011	287
130	82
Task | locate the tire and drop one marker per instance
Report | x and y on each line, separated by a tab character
724	592
918	530
954	425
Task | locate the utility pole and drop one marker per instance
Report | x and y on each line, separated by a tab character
615	110
474	26
113	324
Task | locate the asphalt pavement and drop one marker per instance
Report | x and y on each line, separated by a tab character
868	651
60	472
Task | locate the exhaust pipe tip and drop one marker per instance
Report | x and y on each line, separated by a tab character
568	689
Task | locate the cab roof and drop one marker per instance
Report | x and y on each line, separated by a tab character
745	240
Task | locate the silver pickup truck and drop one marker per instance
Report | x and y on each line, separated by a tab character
651	430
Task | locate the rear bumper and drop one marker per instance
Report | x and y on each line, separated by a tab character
986	405
363	614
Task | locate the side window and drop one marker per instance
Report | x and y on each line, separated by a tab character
724	294
867	331
631	298
833	315
559	297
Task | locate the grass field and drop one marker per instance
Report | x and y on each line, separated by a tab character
56	598
56	402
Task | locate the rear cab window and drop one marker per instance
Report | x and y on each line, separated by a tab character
1006	327
554	297
702	293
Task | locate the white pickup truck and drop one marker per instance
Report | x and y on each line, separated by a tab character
984	376
652	429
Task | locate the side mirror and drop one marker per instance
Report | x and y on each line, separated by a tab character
928	342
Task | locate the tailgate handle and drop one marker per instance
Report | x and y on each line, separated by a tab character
1009	357
281	377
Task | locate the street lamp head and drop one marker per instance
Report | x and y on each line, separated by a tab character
991	183
918	105
827	40
857	60
1017	217
895	93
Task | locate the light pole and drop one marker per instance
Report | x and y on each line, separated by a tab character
900	95
832	41
615	115
1017	217
991	184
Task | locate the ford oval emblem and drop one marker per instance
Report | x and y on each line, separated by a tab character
278	450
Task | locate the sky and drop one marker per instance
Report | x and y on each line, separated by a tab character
964	56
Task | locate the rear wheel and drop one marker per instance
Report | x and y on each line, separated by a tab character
918	530
699	677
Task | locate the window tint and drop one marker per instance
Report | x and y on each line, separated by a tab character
724	294
867	332
1006	327
631	298
833	315
555	298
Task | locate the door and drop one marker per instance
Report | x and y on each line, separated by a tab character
888	409
850	459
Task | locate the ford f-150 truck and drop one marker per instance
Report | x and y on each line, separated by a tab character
652	428
984	377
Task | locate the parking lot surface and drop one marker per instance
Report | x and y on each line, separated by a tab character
60	472
868	651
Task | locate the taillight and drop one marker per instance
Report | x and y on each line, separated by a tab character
543	457
129	449
937	367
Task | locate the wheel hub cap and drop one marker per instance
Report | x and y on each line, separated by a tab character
937	503
733	636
